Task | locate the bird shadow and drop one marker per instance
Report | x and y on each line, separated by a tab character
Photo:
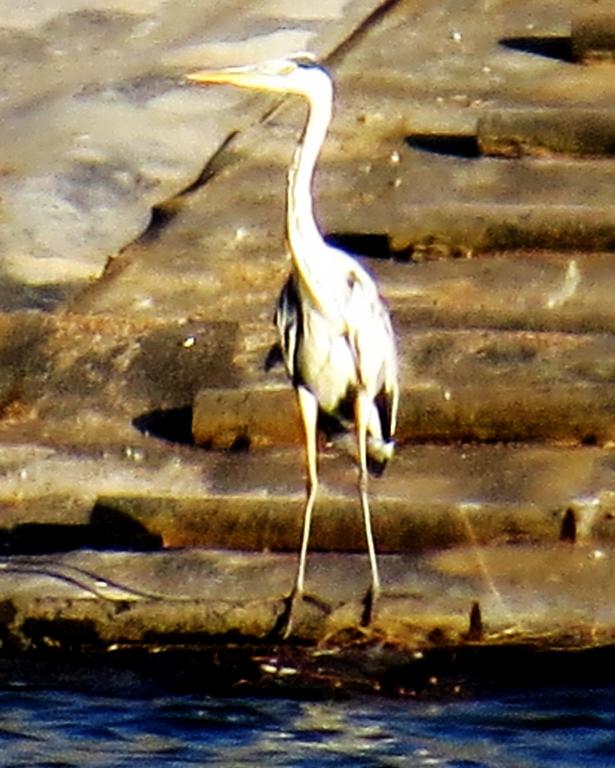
174	425
107	529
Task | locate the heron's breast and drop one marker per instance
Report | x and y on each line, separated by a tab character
325	362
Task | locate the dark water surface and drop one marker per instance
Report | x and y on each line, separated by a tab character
574	727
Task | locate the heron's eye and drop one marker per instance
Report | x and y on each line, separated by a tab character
287	69
277	67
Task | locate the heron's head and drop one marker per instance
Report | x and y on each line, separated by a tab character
298	74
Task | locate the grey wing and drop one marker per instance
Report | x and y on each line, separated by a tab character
381	429
375	353
372	341
391	379
387	399
288	319
386	406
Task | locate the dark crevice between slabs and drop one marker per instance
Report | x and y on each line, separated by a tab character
550	47
161	215
164	213
213	166
171	424
568	530
372	246
454	145
350	43
377	246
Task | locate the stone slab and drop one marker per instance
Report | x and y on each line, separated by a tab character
456	385
593	33
87	601
483	546
430	497
515	133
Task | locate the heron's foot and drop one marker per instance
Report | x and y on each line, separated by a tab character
283	626
369	606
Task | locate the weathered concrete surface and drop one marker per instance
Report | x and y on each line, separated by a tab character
433	496
88	97
499	275
532	290
539	132
199	594
593	33
375	178
441	611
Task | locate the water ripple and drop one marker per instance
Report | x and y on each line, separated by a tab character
52	729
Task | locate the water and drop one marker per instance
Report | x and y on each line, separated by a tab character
52	729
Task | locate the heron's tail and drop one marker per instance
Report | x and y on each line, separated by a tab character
378	454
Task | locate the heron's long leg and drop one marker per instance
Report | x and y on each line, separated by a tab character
394	407
363	407
308	407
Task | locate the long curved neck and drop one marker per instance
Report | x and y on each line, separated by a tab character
302	234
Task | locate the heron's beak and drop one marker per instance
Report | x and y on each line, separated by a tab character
246	77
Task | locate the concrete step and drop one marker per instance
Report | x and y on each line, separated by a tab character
532	290
456	385
541	132
593	33
83	376
551	598
431	496
488	545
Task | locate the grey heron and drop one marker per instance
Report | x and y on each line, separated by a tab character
335	332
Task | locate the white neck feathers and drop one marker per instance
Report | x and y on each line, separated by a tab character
302	233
